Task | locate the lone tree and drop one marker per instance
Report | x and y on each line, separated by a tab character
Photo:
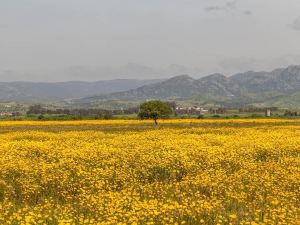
154	110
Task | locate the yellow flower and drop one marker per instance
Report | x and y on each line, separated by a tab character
233	216
128	172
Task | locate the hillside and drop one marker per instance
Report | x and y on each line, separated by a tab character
31	92
240	89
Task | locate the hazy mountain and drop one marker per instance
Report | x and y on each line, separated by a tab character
30	91
280	87
93	73
239	89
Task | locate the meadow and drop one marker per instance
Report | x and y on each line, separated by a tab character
241	171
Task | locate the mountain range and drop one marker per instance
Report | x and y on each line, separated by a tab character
37	92
280	87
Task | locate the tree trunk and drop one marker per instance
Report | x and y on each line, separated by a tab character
155	121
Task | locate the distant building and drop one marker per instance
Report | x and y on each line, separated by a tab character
5	114
268	113
216	111
195	110
16	114
10	114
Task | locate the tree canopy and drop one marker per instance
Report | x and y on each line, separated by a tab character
154	110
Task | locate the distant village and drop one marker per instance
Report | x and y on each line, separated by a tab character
11	110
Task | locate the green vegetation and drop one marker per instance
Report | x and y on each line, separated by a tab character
154	110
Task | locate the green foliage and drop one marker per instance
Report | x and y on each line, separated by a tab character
41	117
200	117
254	115
154	110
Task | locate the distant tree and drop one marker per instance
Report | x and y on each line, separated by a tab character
290	113
36	109
154	110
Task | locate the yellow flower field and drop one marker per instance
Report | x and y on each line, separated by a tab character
132	172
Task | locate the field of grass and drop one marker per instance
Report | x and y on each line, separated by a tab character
132	172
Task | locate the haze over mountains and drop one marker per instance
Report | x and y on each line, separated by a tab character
280	87
93	73
37	92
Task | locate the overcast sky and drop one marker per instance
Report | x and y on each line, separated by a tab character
53	40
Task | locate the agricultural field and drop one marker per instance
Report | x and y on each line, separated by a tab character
133	172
